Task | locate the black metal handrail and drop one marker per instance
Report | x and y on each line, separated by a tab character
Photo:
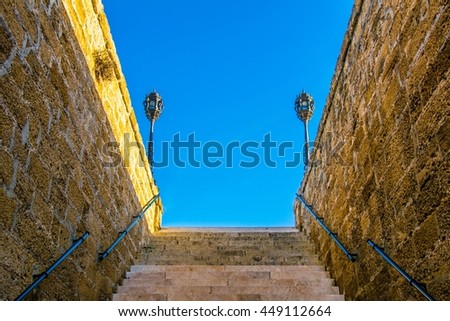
350	256
46	273
122	234
413	282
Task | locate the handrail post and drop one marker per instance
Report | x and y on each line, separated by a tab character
403	273
46	273
350	256
122	234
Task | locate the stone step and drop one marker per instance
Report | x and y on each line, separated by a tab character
233	250
228	297
232	268
273	236
229	252
134	297
218	232
224	230
223	246
236	281
275	275
222	241
224	259
227	272
230	261
271	268
226	289
230	236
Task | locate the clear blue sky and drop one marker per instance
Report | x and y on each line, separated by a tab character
228	70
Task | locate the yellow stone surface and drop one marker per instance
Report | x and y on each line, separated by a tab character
94	37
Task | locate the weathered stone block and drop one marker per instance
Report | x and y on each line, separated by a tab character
425	237
440	286
8	168
8	211
42	211
8	128
39	172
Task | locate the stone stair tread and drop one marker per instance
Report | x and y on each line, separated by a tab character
231	261
270	289
225	289
136	297
319	282
303	297
273	268
247	248
227	297
165	268
223	281
211	260
229	275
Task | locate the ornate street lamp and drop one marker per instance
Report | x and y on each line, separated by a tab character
153	105
304	107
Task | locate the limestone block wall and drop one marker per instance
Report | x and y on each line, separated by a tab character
383	152
65	119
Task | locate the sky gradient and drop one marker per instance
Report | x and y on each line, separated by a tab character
228	71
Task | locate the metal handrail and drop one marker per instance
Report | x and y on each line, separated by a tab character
350	256
43	275
413	282
122	234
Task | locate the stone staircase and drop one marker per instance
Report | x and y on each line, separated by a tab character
228	264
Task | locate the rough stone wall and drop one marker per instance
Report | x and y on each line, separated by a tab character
387	122
63	99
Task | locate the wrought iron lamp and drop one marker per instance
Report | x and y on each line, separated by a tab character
153	105
304	107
